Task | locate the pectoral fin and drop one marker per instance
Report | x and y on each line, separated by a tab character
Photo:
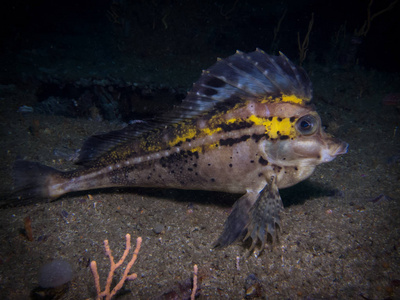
256	213
264	215
235	225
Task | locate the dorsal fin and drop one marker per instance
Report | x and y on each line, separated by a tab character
98	144
244	76
237	78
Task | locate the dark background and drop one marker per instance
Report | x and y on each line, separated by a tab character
161	28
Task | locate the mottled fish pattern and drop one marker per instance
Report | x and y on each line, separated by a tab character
246	127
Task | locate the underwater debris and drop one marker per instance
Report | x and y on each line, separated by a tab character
28	228
380	198
25	109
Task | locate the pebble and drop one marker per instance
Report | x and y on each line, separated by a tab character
158	228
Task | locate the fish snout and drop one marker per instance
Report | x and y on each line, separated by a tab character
333	148
341	148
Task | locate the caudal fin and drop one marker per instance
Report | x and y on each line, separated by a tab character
31	182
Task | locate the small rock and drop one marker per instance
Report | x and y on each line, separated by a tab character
158	228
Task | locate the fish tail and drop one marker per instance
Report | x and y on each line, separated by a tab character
32	182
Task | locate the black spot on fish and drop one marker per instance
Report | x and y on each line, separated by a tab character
190	169
226	105
236	126
212	180
257	137
230	165
209	91
171	159
277	168
231	141
263	161
252	161
195	165
284	137
279	119
215	82
292	119
296	169
270	118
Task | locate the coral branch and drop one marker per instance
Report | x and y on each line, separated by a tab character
275	42
194	290
303	47
227	14
367	23
93	266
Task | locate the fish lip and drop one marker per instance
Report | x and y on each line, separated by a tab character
328	154
342	149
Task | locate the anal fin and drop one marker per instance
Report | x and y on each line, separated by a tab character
264	215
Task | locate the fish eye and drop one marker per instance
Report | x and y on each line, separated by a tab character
307	125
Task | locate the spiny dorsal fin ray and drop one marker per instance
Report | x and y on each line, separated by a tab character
287	78
240	77
237	78
252	75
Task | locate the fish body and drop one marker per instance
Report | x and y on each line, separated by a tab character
246	127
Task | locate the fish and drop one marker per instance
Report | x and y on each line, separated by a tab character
246	127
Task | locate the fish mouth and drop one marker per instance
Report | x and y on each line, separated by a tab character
337	147
341	149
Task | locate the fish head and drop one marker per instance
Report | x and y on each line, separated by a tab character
307	146
311	144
